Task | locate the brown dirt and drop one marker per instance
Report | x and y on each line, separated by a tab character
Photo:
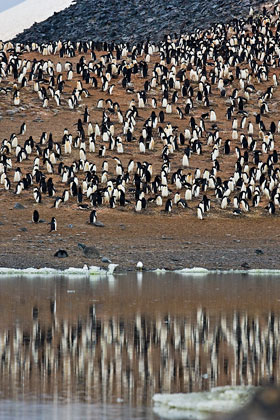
221	241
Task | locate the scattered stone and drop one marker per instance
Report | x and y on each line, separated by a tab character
19	206
105	260
259	252
12	111
23	229
61	253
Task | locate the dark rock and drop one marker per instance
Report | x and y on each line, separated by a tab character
23	229
61	253
89	251
134	21
105	260
19	206
245	265
259	251
265	405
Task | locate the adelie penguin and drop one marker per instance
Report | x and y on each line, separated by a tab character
35	216
61	253
93	219
53	224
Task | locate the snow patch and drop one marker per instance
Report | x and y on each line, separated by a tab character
14	20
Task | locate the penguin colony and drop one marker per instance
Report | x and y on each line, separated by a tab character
187	125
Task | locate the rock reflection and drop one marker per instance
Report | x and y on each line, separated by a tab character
83	352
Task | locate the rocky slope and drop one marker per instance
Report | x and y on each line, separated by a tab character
133	21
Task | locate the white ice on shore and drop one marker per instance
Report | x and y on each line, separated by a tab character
95	270
200	405
71	271
20	17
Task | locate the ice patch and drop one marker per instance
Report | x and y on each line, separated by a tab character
205	271
195	270
71	271
263	272
20	17
201	405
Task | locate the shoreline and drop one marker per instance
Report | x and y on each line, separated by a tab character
173	242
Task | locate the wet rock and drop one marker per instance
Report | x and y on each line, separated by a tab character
61	253
265	405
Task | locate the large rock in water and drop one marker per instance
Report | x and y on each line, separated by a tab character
265	405
133	21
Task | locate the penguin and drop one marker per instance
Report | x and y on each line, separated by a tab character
53	224
271	208
168	205
57	202
92	217
35	217
227	147
199	213
22	130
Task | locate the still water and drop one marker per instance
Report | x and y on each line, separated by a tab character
100	348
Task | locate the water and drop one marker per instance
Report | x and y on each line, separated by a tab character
102	347
7	4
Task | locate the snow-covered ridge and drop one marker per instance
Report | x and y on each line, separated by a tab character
20	17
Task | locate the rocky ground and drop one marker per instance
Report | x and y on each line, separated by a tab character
159	241
133	21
